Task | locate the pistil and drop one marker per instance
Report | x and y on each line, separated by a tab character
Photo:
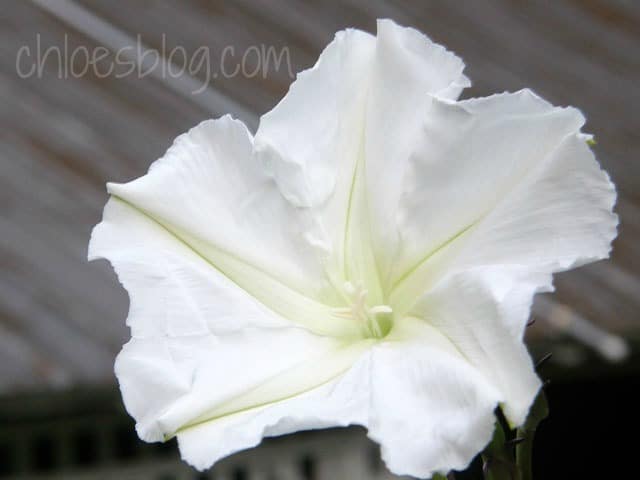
376	319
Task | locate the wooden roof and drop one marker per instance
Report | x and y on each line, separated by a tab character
61	139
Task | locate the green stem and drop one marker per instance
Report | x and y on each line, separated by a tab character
498	461
524	450
448	476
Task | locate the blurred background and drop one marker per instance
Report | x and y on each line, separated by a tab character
95	90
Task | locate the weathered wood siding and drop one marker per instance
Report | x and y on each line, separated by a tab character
62	320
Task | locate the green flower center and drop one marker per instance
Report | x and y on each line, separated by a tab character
376	320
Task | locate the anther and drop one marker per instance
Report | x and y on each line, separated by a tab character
378	309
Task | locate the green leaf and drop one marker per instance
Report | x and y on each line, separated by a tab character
499	463
524	450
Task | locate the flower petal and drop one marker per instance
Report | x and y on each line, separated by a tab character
506	180
353	114
200	345
416	394
206	379
311	138
209	186
408	68
431	410
483	312
209	194
173	291
340	402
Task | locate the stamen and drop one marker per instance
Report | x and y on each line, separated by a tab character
370	317
380	309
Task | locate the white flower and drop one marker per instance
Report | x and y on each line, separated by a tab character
368	258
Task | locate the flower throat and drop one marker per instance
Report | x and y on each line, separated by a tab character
376	320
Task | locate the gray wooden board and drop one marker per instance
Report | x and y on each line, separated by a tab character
62	320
